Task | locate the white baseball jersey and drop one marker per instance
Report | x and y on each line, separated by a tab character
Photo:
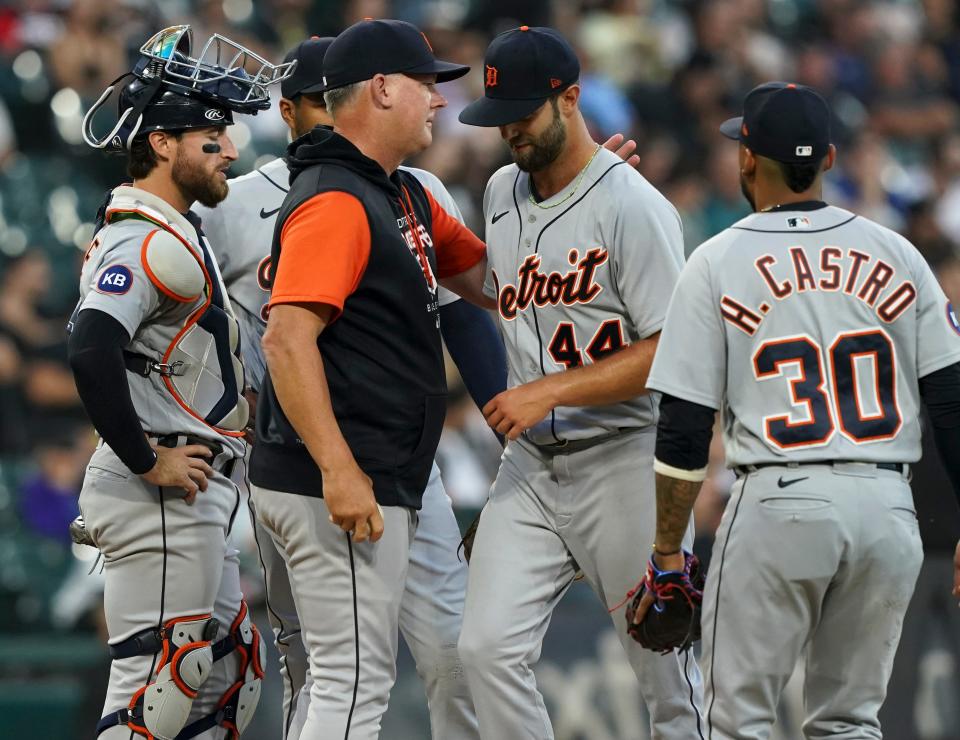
579	276
135	266
809	329
240	230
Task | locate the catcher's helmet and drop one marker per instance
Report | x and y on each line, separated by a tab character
171	90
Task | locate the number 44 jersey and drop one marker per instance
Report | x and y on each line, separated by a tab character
809	328
577	277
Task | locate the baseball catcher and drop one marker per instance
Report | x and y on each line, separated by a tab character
155	351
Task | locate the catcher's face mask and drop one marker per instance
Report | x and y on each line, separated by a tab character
169	89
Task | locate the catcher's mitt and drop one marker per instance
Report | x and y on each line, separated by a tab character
673	620
79	533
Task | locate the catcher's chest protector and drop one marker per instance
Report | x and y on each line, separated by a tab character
191	339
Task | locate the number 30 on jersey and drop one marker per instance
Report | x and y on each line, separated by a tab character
862	366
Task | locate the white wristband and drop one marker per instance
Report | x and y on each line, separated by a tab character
691	476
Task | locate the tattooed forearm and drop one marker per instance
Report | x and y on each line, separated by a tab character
675	500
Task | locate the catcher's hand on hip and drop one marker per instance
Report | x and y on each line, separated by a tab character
181	467
348	494
664	615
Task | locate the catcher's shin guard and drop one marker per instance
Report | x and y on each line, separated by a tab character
238	704
241	699
160	709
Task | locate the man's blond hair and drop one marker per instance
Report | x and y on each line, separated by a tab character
341	95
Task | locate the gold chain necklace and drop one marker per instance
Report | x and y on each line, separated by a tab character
569	195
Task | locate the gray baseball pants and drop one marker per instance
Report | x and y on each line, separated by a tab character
431	610
823	566
162	559
547	514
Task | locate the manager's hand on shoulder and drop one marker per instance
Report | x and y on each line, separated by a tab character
623	149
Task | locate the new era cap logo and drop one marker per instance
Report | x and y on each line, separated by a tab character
555	83
491	80
804	151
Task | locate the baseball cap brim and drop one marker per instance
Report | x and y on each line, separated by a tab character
498	111
731	128
445	71
318	88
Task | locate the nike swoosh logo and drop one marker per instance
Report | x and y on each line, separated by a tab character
498	217
784	483
268	214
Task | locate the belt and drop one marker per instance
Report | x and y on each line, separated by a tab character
569	446
742	470
223	460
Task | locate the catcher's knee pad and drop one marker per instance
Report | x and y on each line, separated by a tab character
237	705
160	709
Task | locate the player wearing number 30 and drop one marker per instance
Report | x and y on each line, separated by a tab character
817	333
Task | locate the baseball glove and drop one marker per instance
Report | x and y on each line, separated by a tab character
673	620
79	533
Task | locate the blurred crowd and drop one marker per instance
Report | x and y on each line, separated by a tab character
664	72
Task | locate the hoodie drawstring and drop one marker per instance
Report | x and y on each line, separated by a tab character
415	229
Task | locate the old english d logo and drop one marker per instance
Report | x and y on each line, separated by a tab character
491	80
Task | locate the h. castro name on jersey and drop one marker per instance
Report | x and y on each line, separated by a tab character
550	288
827	269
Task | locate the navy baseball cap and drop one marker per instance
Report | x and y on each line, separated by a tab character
522	68
307	76
784	122
373	47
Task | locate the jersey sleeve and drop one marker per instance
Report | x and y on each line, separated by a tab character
691	358
120	286
439	191
251	334
458	249
647	256
325	246
938	322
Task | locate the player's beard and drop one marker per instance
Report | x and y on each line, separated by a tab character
545	148
196	183
746	192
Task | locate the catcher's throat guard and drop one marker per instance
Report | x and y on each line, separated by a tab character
169	89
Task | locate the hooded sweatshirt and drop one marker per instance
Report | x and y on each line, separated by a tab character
371	246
